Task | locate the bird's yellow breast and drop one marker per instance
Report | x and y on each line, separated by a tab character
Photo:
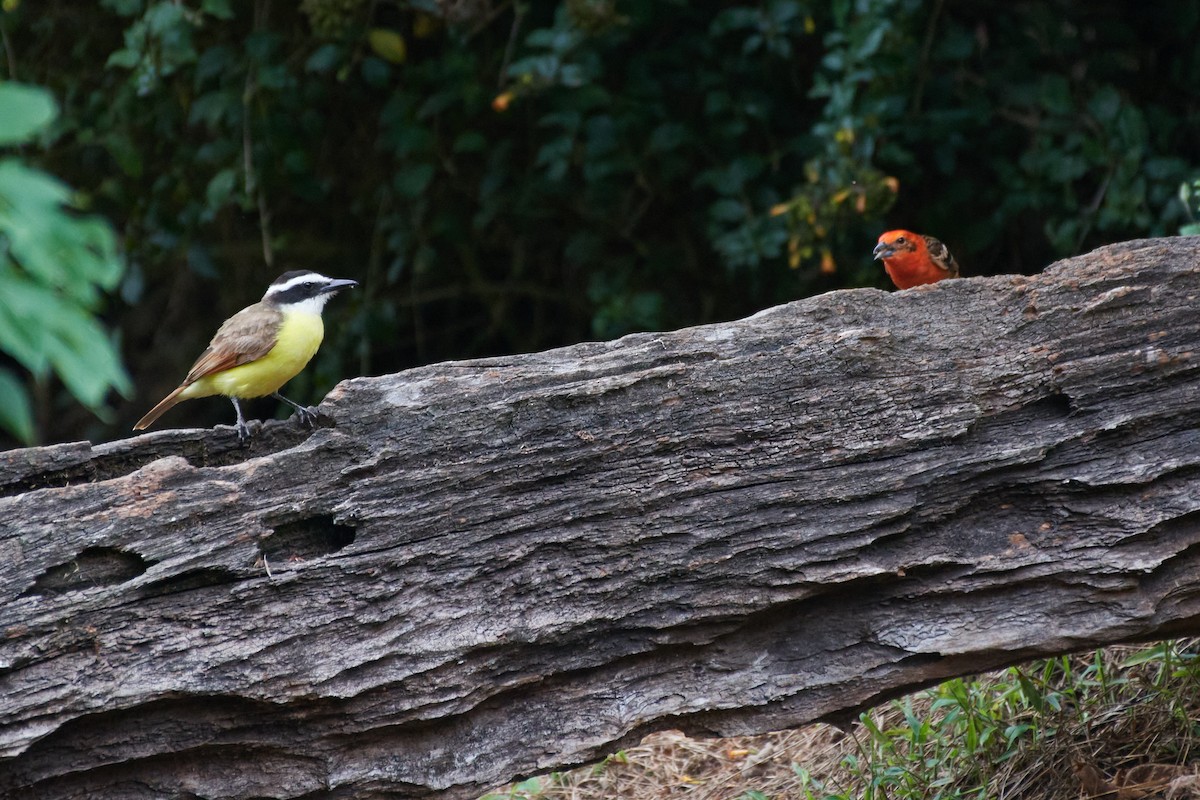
299	336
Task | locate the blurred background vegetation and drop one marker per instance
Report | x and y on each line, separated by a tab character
511	175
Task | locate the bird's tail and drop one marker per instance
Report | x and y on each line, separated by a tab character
159	410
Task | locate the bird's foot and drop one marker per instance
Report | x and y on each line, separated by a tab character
306	416
243	430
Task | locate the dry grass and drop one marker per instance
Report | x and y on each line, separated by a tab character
1026	732
671	765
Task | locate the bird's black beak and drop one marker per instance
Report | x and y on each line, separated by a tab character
340	283
883	250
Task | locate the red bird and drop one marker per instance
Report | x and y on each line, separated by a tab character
914	260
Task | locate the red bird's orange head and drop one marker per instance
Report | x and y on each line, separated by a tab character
913	260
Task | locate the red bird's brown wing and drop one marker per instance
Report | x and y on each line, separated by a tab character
246	336
941	255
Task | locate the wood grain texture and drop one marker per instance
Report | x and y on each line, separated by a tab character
487	569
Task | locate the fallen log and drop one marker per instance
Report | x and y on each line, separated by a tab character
476	571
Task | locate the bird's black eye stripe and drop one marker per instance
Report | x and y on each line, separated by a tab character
301	291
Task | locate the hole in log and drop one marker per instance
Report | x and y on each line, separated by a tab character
190	580
57	466
1054	405
306	538
63	465
95	566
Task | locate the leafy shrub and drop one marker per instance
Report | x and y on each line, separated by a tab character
511	177
54	264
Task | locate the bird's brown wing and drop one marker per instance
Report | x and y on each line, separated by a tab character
246	336
941	255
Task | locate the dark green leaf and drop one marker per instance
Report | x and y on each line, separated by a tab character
412	180
16	416
218	8
324	59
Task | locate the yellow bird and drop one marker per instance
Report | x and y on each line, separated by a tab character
260	348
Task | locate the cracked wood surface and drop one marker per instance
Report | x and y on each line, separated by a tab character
482	570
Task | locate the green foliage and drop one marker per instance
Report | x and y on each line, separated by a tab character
958	739
54	266
509	178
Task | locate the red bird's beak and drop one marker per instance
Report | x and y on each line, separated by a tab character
883	250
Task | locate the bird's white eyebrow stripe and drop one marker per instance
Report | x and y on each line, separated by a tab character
308	277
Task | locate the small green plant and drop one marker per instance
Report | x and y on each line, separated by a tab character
618	757
969	737
530	789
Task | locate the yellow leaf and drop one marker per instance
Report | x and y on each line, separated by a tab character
780	209
388	45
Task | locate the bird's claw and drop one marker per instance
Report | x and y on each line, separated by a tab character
306	416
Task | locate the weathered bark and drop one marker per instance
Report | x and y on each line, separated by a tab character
488	569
